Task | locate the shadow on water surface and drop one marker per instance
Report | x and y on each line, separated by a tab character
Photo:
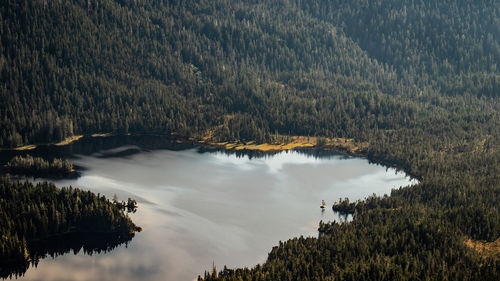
90	145
128	145
82	243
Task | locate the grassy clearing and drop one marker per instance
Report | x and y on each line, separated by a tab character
487	249
66	141
69	140
101	135
292	142
26	147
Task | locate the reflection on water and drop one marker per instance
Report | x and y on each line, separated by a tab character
86	243
198	208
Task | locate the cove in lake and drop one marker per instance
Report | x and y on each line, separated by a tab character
200	208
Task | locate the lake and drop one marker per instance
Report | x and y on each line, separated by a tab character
201	208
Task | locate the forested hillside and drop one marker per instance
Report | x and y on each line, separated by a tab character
247	68
419	81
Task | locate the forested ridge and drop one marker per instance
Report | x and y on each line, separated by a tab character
417	80
247	68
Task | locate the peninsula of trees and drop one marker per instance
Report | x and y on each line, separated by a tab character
30	213
39	167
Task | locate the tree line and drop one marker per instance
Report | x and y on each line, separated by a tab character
39	167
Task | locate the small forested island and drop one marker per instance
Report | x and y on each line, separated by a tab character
344	207
30	214
39	167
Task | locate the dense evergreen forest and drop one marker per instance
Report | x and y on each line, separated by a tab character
419	81
246	69
39	167
31	213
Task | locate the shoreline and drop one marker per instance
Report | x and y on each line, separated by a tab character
340	145
293	142
345	146
66	141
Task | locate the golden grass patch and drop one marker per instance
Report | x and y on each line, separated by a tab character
101	135
488	249
291	142
26	147
69	140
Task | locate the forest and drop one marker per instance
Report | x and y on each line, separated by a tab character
32	213
418	80
39	167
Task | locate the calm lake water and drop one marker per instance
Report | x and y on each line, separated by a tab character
202	208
